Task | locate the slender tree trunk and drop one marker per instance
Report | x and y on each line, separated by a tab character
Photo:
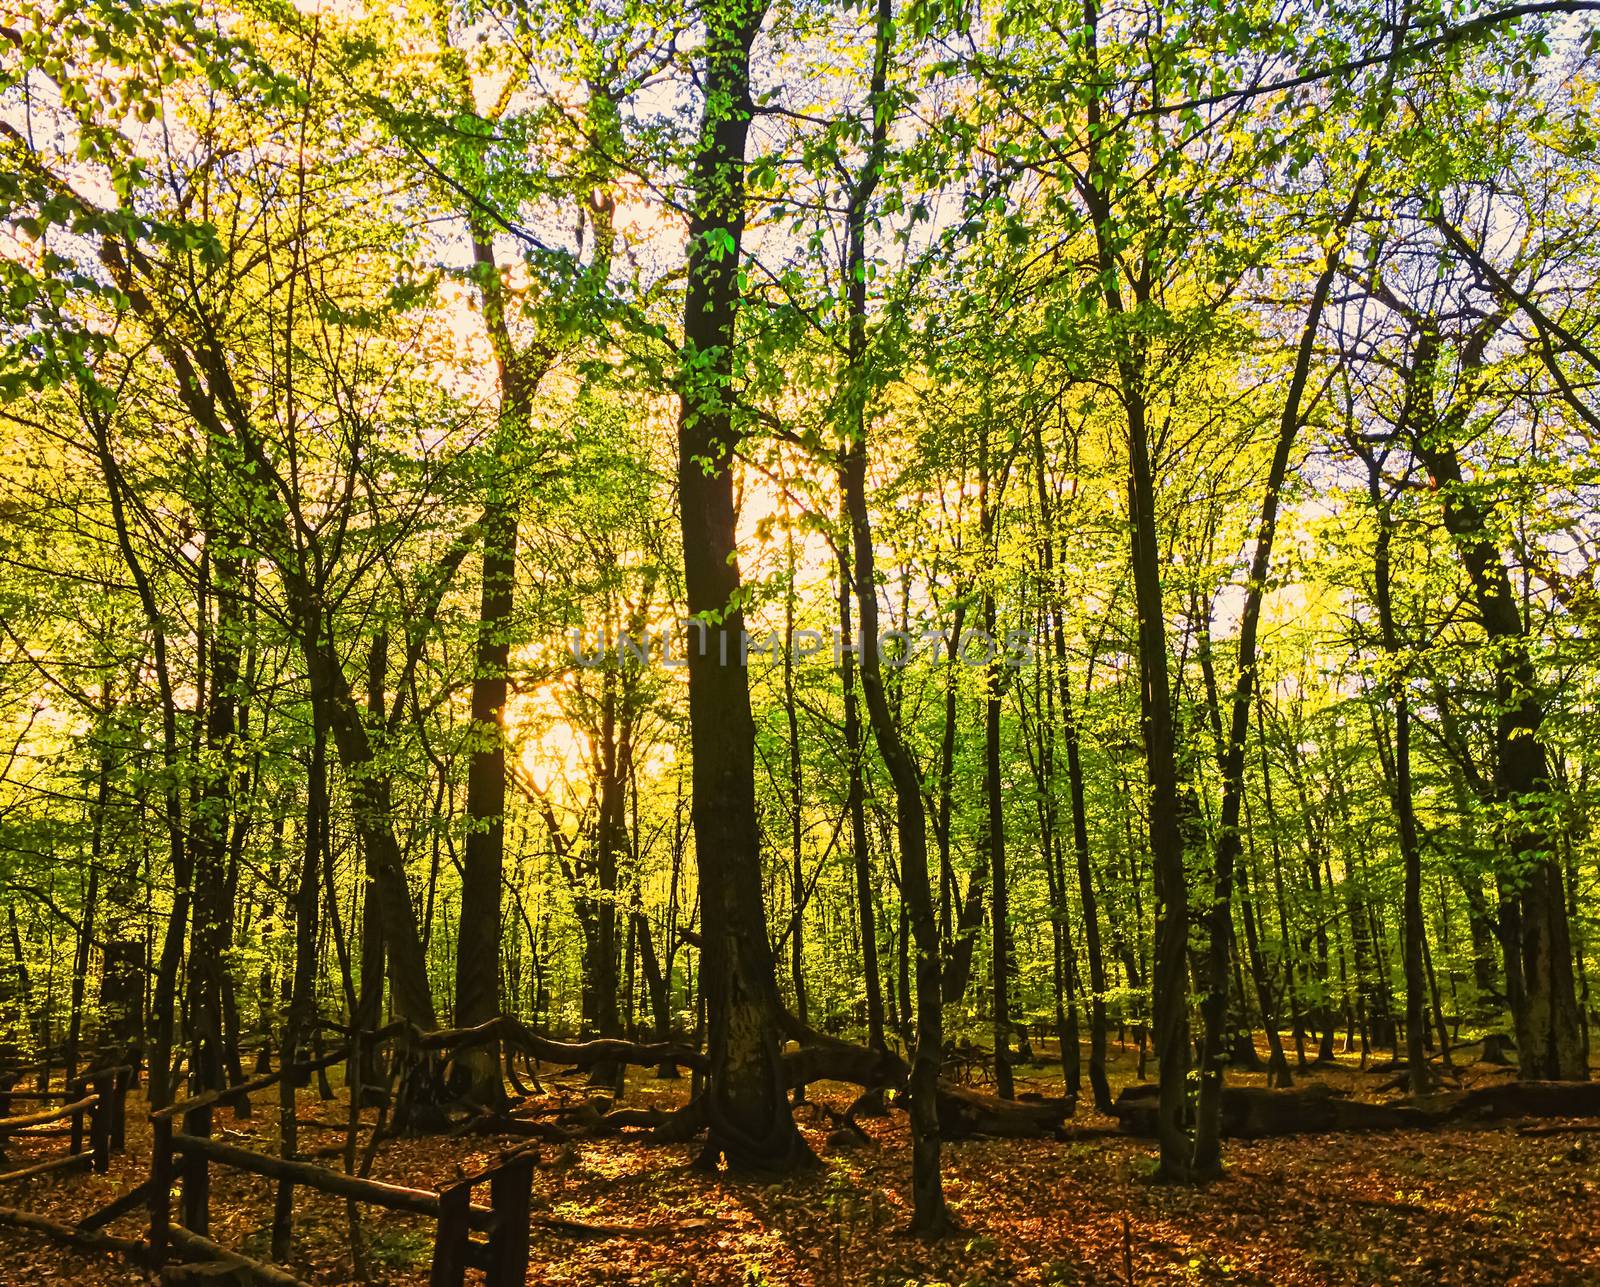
86	928
1214	1007
861	854
1077	793
966	912
1063	954
1169	972
797	875
994	835
1417	1071
930	1216
164	995
210	840
610	841
369	995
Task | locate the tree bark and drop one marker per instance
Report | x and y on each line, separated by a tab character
748	1110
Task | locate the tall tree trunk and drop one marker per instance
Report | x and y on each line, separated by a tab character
966	911
208	947
478	938
1214	1007
747	1107
91	899
610	840
994	834
930	1216
1169	969
478	982
856	802
1077	794
1399	775
797	875
1280	897
164	996
369	994
1063	962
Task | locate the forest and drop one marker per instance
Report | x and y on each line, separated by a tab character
800	641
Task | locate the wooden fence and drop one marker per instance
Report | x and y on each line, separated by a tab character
493	1238
95	1113
190	1153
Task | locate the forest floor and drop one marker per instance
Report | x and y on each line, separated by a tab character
1463	1205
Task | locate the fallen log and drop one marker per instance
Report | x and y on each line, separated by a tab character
253	1270
135	1199
823	1058
92	1239
1561	1128
245	1088
1254	1112
965	1113
1526	1099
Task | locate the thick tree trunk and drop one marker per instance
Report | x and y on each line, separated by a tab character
478	939
747	1107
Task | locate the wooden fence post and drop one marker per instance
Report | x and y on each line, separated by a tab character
451	1238
76	1090
509	1189
100	1125
197	1175
160	1188
119	1111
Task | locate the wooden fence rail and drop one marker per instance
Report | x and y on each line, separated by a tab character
97	1117
190	1153
492	1238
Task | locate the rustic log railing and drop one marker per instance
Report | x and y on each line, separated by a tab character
96	1115
191	1152
492	1238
